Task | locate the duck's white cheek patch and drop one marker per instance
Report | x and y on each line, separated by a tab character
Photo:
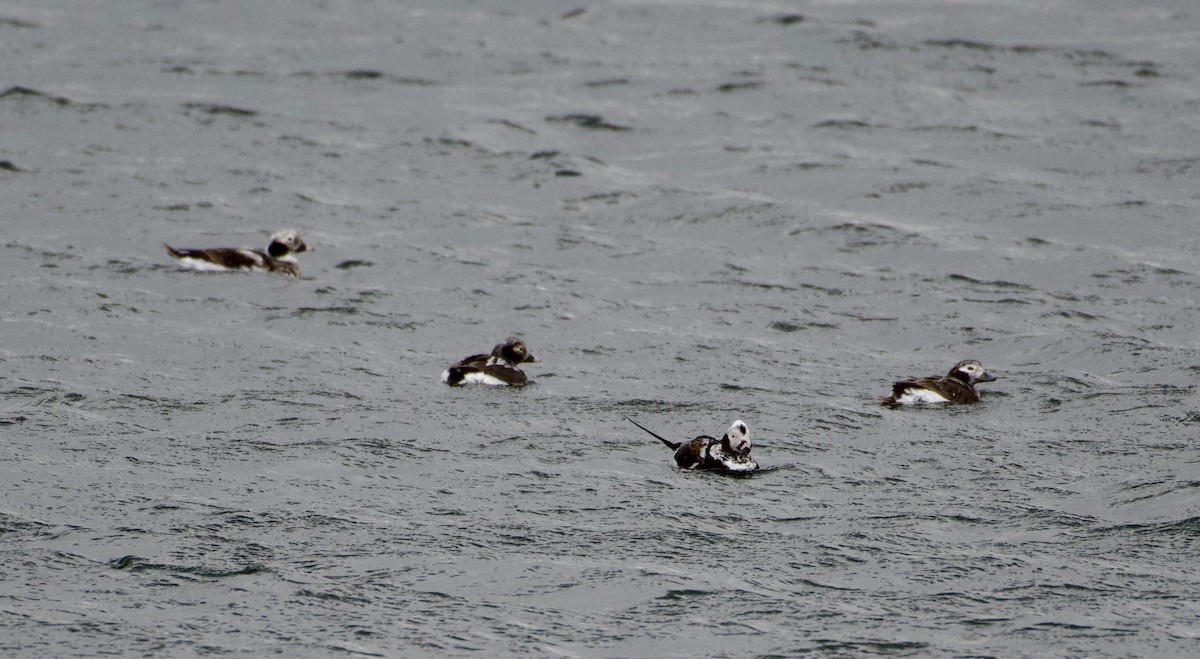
483	378
919	396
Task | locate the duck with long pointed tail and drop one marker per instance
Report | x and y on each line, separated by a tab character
729	453
277	257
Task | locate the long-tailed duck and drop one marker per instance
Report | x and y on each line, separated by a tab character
958	386
729	453
278	257
498	368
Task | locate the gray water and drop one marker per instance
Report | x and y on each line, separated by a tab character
693	212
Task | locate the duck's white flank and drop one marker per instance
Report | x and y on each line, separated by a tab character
916	396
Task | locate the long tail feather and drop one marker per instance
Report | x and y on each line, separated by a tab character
672	445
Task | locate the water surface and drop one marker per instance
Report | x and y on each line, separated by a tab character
693	212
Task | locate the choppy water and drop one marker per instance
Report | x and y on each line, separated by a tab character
693	212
